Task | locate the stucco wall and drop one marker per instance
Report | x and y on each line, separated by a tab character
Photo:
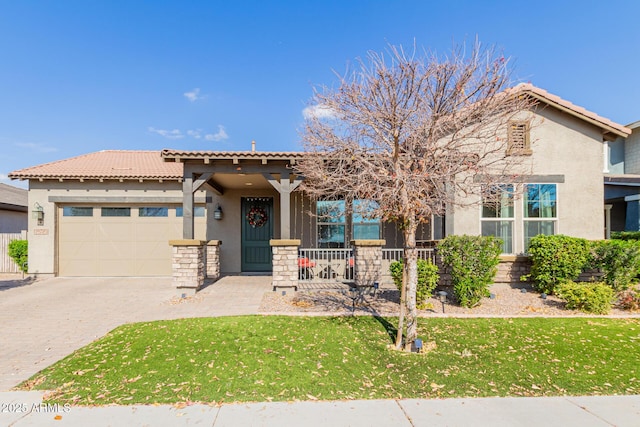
562	145
12	221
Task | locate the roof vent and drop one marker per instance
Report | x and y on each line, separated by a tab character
253	146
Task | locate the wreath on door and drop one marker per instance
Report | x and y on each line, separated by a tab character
257	217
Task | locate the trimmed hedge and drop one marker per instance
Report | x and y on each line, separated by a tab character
472	262
595	297
427	279
556	259
619	261
625	235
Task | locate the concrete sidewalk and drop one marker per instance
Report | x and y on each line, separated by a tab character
22	409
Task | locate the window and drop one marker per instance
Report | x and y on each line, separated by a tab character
518	138
197	211
364	226
540	210
498	214
153	212
77	211
331	223
116	211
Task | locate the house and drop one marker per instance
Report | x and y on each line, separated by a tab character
622	181
112	213
13	222
13	209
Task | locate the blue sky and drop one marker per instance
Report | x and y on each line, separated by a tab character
83	76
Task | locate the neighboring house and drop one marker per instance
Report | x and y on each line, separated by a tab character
13	222
13	209
112	213
622	181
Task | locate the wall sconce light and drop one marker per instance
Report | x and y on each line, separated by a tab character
38	213
217	214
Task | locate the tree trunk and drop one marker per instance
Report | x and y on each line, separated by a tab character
403	310
410	274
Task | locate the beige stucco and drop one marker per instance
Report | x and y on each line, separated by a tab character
564	146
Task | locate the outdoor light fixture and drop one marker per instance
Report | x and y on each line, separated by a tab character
442	295
217	214
38	213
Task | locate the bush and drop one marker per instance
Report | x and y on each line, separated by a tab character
427	279
595	297
19	252
472	262
625	235
556	259
629	300
619	261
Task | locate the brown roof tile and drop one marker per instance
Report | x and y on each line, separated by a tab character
571	108
230	155
108	164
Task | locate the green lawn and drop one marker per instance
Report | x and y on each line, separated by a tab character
264	358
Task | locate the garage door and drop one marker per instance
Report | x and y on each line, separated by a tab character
119	240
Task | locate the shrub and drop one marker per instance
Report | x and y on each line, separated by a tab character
625	235
427	279
472	262
593	297
619	261
19	251
629	300
556	259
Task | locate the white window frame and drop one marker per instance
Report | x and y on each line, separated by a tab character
511	219
525	219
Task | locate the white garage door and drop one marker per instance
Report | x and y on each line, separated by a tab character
119	240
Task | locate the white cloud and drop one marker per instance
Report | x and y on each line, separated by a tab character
169	134
221	135
318	111
194	95
32	146
197	134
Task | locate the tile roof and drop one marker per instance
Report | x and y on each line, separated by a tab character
573	109
108	164
13	196
231	155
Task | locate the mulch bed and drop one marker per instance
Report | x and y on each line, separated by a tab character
508	301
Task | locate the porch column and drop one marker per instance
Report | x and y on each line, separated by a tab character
284	187
367	261
632	221
188	264
213	259
285	263
187	207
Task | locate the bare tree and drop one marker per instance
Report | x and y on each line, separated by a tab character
416	134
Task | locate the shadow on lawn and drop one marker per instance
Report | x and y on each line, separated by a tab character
391	330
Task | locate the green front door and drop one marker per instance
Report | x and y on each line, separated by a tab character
257	230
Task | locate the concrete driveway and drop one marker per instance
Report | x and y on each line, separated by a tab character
43	321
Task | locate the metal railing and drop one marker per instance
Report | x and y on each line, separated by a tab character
335	266
325	266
